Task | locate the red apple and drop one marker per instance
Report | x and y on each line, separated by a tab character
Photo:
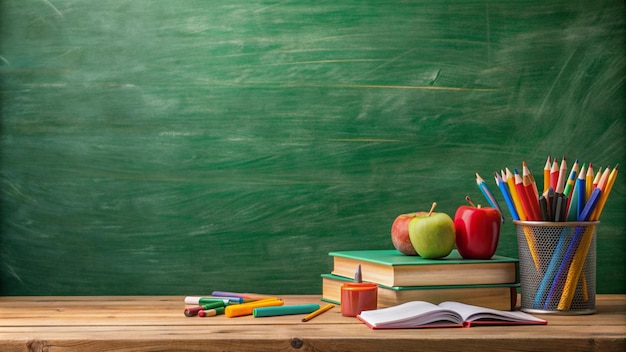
400	233
477	231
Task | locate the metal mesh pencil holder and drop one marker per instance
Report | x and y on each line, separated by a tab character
557	266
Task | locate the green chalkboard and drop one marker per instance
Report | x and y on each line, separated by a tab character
180	147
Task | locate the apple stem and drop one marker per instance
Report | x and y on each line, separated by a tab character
432	208
479	206
469	200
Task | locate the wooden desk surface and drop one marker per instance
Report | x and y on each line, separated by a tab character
154	323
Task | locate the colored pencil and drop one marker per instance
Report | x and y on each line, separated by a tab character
318	312
571	180
488	195
506	194
554	174
589	181
560	185
510	180
578	194
519	185
596	179
531	190
606	190
546	175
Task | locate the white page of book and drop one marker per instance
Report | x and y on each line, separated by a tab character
411	313
472	313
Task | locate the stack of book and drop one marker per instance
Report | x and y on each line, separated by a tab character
491	283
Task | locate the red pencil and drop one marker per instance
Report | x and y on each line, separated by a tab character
554	174
521	191
531	192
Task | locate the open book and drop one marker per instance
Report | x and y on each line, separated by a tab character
420	314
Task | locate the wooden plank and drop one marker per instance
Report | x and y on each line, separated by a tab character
156	322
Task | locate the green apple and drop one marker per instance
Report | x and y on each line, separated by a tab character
432	234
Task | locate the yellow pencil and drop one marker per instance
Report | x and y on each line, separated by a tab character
318	312
606	189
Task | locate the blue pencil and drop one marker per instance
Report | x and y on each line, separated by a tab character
488	195
504	189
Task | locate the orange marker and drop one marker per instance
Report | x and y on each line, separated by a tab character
247	308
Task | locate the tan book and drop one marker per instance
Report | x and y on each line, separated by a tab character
494	296
392	268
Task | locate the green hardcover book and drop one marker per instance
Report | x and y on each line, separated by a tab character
392	268
495	296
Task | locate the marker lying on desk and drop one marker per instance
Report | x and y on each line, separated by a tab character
247	308
204	300
245	296
193	311
211	312
318	312
284	310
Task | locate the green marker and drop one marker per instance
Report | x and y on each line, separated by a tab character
284	310
211	312
193	311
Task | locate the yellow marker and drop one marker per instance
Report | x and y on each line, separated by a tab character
238	310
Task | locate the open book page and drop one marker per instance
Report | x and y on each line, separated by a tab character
411	314
474	315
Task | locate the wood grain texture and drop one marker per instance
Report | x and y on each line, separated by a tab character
157	323
155	147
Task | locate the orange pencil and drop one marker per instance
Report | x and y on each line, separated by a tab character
589	182
546	175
